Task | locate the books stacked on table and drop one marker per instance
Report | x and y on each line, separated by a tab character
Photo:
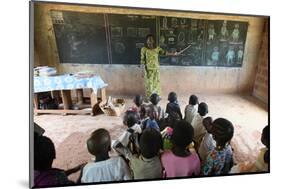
84	74
44	71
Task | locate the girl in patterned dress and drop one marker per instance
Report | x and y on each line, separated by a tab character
219	160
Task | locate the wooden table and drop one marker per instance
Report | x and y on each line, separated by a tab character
67	102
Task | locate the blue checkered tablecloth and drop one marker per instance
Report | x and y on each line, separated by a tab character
67	82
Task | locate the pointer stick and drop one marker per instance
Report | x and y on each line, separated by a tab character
183	50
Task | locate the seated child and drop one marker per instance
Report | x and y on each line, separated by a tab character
130	137
44	174
208	143
103	168
197	123
143	113
180	162
173	109
148	165
219	160
155	99
138	103
151	121
263	157
138	100
191	109
261	164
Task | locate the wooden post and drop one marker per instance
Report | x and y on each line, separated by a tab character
94	98
55	95
103	94
66	99
79	94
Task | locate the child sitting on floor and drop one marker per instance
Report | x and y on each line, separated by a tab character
263	157
197	123
103	168
148	165
155	99
191	109
130	137
173	109
44	174
261	164
143	113
207	143
180	162
219	160
138	103
151	121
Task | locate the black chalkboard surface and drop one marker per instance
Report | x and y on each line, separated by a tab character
127	36
80	37
92	38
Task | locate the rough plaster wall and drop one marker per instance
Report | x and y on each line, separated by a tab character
261	82
127	80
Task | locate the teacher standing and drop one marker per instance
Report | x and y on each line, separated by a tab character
151	66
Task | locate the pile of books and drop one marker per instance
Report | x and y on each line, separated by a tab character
84	74
44	71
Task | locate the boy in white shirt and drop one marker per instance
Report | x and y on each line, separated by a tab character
207	143
103	168
197	123
129	138
191	109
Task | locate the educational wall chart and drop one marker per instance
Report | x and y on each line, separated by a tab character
225	43
91	38
177	34
127	36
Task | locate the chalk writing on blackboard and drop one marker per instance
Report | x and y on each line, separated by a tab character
80	37
132	32
225	43
174	22
224	33
116	31
126	49
180	33
139	45
118	38
119	47
133	17
147	17
165	23
143	32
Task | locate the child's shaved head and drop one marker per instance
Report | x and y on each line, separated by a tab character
99	142
207	122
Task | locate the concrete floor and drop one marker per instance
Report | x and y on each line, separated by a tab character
70	132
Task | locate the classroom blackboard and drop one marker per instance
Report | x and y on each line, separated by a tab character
225	43
177	34
80	37
127	36
92	38
210	42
